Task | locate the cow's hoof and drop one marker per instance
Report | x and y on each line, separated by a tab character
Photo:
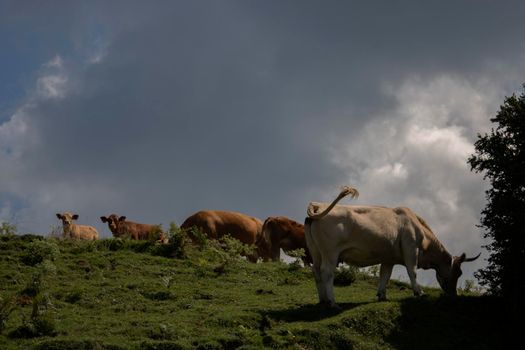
335	307
329	305
419	294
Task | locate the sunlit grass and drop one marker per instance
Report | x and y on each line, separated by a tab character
108	295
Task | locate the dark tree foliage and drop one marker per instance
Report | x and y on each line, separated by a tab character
500	155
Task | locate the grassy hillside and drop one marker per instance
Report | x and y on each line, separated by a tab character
116	294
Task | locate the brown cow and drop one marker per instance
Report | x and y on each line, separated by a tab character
280	232
215	224
119	227
74	231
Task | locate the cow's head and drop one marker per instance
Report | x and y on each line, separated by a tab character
67	218
448	277
67	221
114	222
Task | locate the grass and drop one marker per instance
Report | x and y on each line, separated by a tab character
128	295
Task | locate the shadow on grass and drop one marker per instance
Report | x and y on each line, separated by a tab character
464	322
309	312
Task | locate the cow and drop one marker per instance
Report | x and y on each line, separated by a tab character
280	232
120	227
370	235
216	223
74	231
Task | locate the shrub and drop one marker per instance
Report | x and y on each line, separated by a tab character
36	283
113	244
198	236
7	229
6	307
71	344
39	250
372	271
298	255
345	275
176	245
40	322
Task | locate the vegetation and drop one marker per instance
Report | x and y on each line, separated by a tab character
121	294
500	155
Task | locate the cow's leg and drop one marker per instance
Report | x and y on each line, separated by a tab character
411	265
316	261
316	269
276	248
385	272
328	266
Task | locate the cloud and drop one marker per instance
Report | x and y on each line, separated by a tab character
416	156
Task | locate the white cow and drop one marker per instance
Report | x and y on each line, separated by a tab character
370	235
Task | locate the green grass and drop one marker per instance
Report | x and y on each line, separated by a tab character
126	295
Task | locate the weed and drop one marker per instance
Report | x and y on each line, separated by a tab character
73	296
162	332
56	231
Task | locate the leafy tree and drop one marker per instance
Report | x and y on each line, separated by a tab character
500	155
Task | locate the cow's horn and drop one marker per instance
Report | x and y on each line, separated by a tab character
472	259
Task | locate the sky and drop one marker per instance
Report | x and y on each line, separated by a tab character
155	110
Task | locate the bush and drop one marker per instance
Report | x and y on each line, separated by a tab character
345	275
39	250
70	344
198	236
176	245
40	323
298	255
7	229
6	307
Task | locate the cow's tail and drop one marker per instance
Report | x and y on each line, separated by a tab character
312	209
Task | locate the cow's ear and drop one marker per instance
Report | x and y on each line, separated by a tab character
59	216
122	218
75	217
104	219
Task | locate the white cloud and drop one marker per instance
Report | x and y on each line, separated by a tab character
417	157
52	86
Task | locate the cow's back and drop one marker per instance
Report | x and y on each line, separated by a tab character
84	232
216	223
139	231
367	235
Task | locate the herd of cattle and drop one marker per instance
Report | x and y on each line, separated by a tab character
357	235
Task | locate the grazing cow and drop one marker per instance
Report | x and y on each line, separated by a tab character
370	235
119	227
216	223
74	231
280	232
